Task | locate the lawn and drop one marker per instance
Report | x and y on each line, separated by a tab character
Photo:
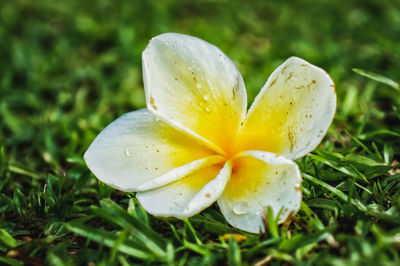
69	68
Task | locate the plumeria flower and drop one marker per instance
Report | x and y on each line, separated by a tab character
197	144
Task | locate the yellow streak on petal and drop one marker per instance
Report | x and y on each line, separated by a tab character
247	175
290	113
177	142
277	122
198	179
204	104
264	134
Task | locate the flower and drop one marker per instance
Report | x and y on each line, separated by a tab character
196	144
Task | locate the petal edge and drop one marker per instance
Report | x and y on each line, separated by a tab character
260	179
292	112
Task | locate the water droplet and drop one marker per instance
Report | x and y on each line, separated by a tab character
210	84
310	125
207	109
240	208
198	85
206	97
128	152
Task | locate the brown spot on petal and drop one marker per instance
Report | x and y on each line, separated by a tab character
288	219
208	195
334	87
264	220
291	139
272	83
235	88
152	103
291	74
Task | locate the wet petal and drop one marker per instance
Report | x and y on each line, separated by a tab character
195	87
137	148
293	111
260	179
188	196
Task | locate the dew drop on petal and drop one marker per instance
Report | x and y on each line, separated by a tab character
128	152
207	109
206	97
240	208
210	84
310	125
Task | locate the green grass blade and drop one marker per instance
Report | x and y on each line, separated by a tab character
377	77
234	256
108	239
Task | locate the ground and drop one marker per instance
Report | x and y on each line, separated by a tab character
69	68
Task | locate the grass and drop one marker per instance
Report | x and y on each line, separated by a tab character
69	68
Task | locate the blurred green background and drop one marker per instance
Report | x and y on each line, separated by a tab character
69	68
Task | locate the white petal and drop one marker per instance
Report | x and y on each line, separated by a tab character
188	196
260	179
195	87
181	172
210	192
137	148
293	111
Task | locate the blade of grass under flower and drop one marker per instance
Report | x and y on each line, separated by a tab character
109	239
